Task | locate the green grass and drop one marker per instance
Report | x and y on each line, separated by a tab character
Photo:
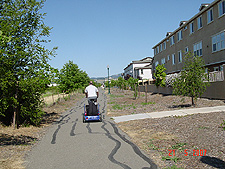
117	107
112	102
152	146
223	125
179	146
175	159
143	104
114	96
121	107
203	127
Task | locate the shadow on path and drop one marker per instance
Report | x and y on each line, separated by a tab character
213	161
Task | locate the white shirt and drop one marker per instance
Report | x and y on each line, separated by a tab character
91	91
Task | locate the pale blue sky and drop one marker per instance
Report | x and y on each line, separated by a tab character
97	33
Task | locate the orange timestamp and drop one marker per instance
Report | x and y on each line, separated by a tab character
195	152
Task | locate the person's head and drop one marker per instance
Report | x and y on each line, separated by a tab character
91	83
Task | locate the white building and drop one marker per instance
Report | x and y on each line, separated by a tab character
140	69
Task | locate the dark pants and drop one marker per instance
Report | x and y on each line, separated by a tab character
92	110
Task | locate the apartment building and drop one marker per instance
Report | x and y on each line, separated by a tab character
203	34
140	69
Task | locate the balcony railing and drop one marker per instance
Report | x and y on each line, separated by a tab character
216	76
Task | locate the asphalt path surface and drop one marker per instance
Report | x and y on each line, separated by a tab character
71	144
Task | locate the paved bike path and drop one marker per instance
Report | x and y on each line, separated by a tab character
71	144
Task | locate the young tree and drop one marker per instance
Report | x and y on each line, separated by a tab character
191	80
160	76
120	82
133	84
24	68
71	77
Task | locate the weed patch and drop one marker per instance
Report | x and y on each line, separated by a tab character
179	146
175	159
117	107
223	125
114	96
148	103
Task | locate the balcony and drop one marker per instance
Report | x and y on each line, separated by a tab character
216	76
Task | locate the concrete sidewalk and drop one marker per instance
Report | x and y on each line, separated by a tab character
181	112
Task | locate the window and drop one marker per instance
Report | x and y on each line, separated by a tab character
221	67
222	8
163	61
172	40
199	22
210	16
216	68
180	56
191	27
157	50
179	36
173	59
160	47
164	46
198	49
186	50
142	72
168	57
218	42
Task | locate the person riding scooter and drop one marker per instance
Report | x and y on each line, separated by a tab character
91	93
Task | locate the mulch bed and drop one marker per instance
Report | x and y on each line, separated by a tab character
193	141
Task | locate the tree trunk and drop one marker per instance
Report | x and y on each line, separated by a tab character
14	119
135	92
146	100
15	110
192	101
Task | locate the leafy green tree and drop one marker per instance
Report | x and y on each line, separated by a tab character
4	39
71	77
24	68
160	76
191	81
133	84
121	83
113	83
95	83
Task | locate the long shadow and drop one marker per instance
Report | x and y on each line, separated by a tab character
180	106
6	140
213	161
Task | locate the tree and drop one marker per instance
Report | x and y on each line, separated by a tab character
133	84
191	80
71	77
160	76
121	83
24	68
4	39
